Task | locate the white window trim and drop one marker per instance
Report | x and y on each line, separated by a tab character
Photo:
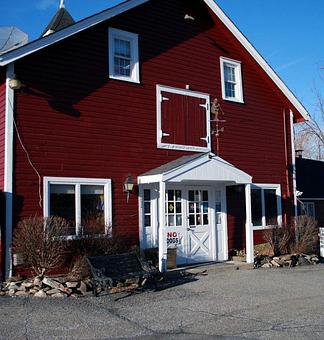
238	74
276	187
133	39
306	209
78	182
159	132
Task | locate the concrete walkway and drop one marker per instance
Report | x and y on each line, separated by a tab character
230	304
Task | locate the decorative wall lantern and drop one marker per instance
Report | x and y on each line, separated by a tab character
14	83
128	186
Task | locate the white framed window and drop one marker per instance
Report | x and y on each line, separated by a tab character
183	119
84	203
231	76
123	55
266	205
308	209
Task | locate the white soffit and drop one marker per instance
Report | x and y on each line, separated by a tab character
127	5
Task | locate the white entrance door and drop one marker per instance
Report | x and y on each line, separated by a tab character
200	239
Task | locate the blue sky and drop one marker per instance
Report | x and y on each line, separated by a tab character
288	34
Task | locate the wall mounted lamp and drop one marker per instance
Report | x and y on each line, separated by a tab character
128	186
14	83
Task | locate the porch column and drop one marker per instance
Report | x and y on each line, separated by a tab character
248	226
163	247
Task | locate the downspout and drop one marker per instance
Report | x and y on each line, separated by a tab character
286	161
293	161
8	170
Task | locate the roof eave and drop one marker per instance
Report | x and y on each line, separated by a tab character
127	5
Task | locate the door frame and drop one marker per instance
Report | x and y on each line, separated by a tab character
184	187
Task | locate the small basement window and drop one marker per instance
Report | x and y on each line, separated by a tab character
266	205
231	74
84	203
123	55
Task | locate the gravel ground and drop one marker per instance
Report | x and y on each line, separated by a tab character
225	304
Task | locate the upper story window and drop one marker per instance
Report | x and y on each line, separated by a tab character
123	55
266	205
183	119
84	203
231	74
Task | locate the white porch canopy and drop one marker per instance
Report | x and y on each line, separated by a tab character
203	169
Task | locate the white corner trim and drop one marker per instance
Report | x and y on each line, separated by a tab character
258	58
248	226
293	161
8	169
239	98
132	38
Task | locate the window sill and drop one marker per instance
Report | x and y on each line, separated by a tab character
85	237
255	228
128	80
234	100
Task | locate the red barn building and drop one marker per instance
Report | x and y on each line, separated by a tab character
129	96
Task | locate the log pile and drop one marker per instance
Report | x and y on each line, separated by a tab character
291	260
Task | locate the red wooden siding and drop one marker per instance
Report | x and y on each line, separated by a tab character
75	122
183	120
2	125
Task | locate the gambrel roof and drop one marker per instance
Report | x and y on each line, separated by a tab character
130	4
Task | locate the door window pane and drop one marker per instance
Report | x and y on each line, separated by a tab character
173	208
62	204
198	207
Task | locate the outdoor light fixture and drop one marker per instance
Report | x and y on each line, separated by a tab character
128	186
14	83
299	153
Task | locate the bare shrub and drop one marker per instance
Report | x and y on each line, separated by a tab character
306	240
280	239
40	242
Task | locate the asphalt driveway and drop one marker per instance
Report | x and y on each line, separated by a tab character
230	304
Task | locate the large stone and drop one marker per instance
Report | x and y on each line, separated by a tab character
83	288
72	284
59	295
41	294
53	291
28	284
37	281
285	257
275	263
21	294
12	292
52	283
267	265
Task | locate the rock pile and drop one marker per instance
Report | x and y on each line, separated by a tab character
291	260
45	287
